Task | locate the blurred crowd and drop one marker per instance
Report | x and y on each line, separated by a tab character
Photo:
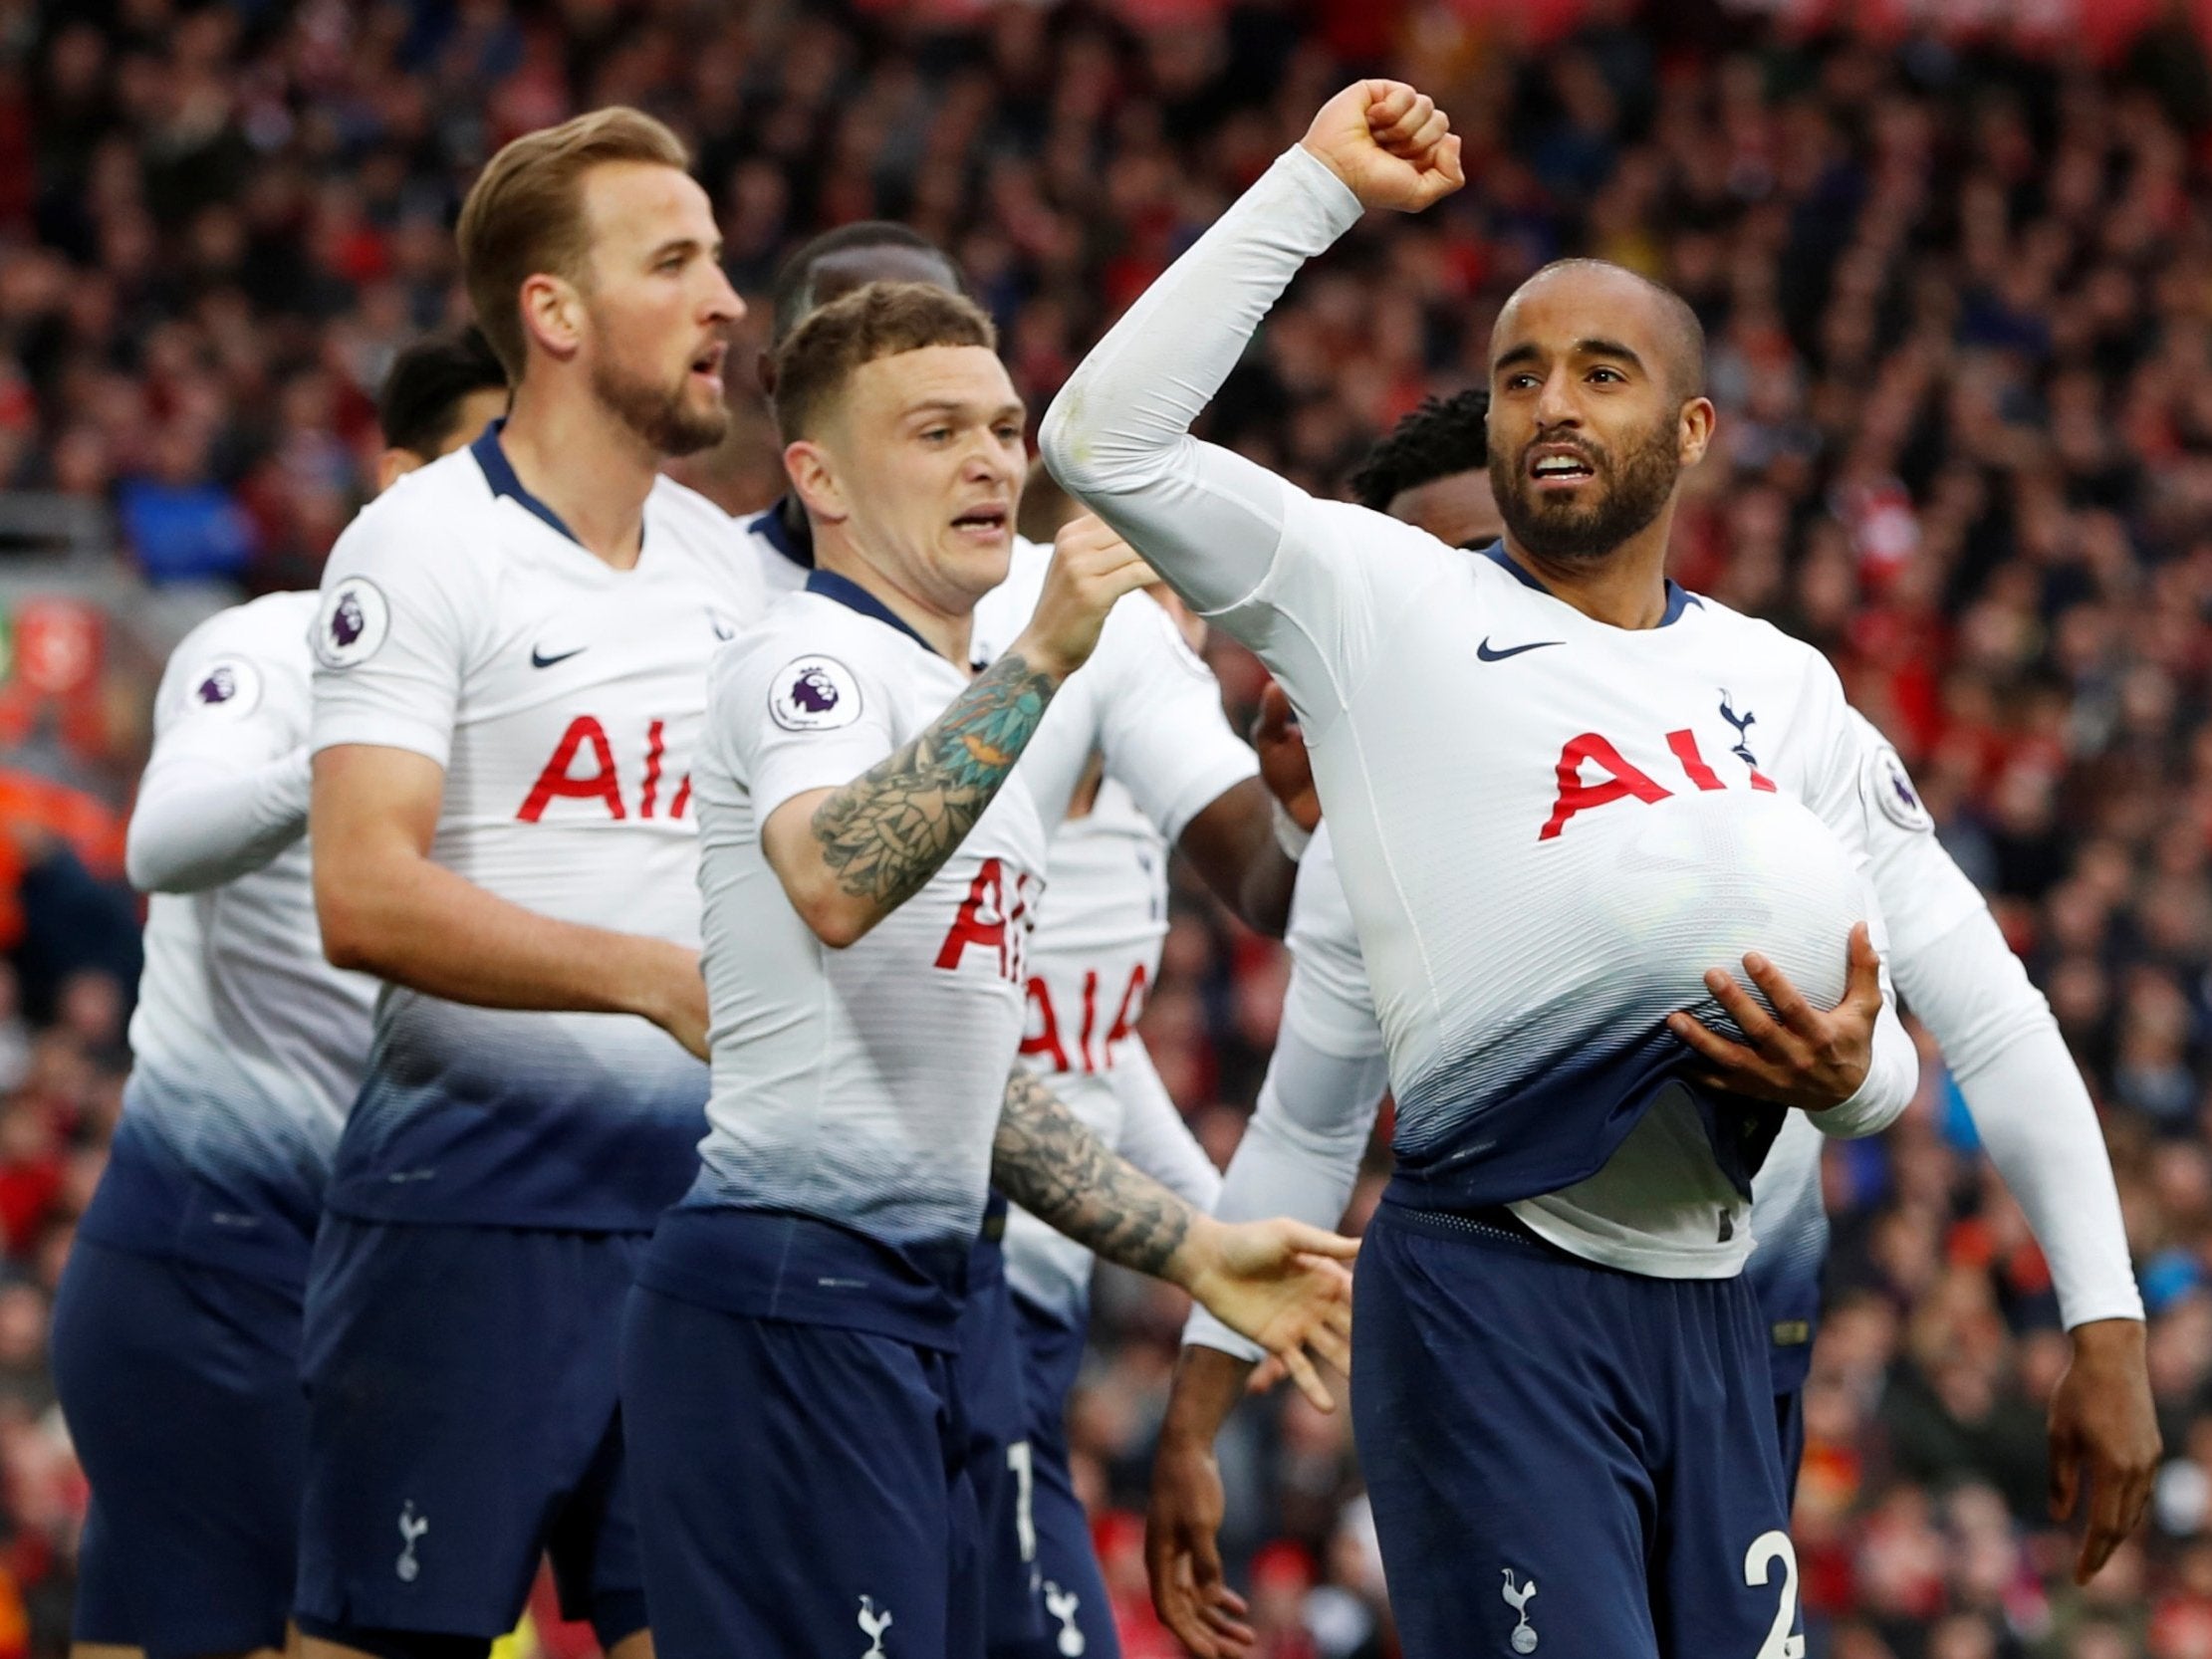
1959	297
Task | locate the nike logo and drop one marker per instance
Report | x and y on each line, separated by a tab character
1483	652
538	658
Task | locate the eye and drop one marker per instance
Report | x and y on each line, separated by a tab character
1609	375
1519	382
670	264
1008	432
935	434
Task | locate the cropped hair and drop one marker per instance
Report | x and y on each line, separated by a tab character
1445	436
525	213
420	401
880	319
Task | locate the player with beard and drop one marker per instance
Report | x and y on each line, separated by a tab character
1562	790
511	676
1317	1109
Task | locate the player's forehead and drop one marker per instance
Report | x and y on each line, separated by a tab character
836	274
1562	312
966	380
634	207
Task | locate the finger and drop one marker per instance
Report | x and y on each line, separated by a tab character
1386	101
1331	1346
1758	1026
1401	132
1427	136
1447	162
2107	1525
2065	1473
1727	1055
1862	987
1309	1240
1307	1379
1786	1001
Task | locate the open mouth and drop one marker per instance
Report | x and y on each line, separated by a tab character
708	362
1555	466
987	523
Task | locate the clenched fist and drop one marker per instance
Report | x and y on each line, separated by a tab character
1390	145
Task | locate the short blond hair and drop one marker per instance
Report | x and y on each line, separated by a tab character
879	319
525	213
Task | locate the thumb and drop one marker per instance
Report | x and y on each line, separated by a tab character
1387	102
1274	712
1865	984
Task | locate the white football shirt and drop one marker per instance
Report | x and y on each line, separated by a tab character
1547	829
564	700
248	1046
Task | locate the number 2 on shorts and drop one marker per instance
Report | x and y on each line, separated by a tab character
1765	1550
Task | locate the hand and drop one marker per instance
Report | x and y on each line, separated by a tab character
1182	1550
1390	145
2103	1423
1798	1056
1092	568
1284	1284
675	997
1284	767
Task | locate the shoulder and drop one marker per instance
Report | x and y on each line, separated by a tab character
812	662
237	659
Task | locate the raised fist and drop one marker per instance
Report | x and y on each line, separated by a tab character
1390	144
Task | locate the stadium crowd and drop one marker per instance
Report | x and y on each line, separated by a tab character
1959	299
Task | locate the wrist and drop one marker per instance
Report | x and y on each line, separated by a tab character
1040	655
1198	1256
2102	1341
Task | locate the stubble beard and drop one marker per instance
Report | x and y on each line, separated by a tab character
660	416
1637	491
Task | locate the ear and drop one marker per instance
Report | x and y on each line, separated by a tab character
814	477
393	465
553	315
1695	432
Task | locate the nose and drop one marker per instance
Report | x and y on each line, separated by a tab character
723	304
1555	402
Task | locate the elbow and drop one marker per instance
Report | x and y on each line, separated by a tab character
352	936
836	918
1066	444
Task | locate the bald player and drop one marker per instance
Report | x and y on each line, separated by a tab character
1562	792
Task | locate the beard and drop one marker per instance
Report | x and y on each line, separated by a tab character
1574	533
659	413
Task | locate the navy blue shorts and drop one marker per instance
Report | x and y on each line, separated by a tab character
463	1420
182	1388
1562	1454
1000	1458
1789	1422
802	1489
1077	1617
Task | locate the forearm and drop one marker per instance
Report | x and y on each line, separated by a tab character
199	822
416	923
1232	845
1300	1156
1117	436
2032	1109
1153	1136
1208	1384
871	845
1049	1163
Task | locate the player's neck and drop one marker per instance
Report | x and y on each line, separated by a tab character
1626	589
594	470
945	631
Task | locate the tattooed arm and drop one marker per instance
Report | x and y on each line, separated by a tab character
1281	1282
849	856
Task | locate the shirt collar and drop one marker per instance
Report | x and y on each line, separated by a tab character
774	529
498	473
845	592
1679	598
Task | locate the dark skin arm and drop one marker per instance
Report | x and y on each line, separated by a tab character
2104	1443
1182	1526
1231	843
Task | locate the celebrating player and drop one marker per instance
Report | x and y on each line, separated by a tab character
1559	790
871	854
511	656
1174	773
185	1278
1318	1103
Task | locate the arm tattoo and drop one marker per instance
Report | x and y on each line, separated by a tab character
891	828
1049	1163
